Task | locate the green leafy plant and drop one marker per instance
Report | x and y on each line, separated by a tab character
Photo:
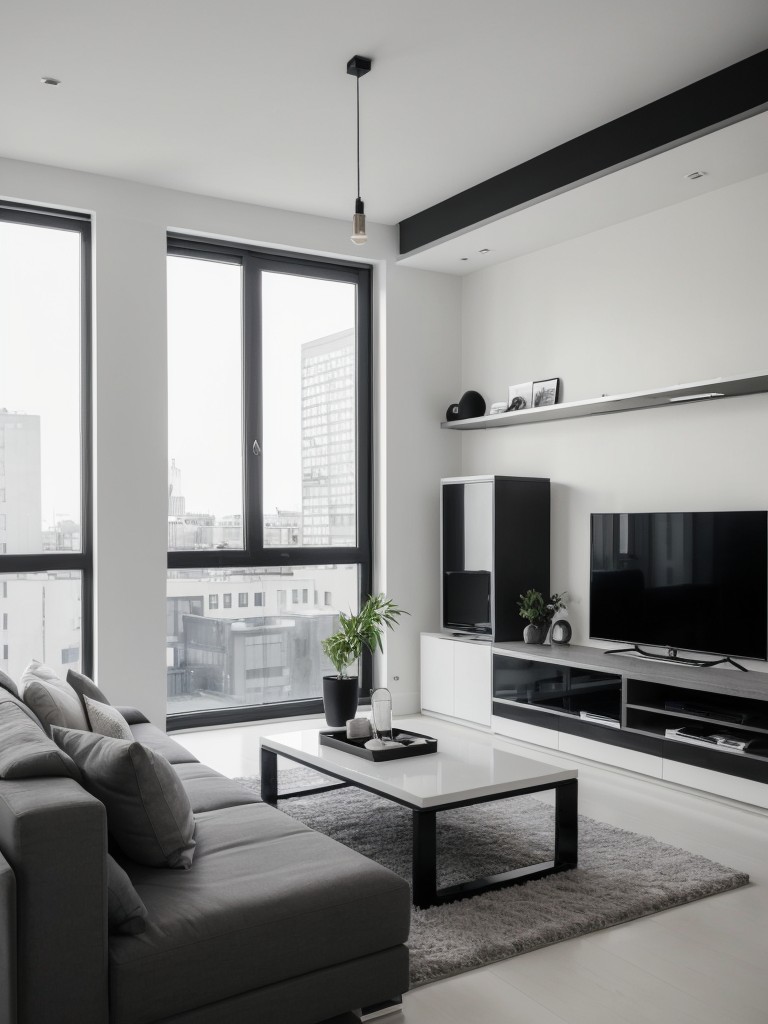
357	632
537	610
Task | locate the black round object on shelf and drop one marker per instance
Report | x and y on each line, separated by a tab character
452	412
471	404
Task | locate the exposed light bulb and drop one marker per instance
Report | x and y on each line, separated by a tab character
359	236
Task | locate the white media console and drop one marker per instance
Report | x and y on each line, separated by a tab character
616	710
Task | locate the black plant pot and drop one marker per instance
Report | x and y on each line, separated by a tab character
340	699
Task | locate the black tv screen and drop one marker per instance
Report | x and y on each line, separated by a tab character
467	601
696	581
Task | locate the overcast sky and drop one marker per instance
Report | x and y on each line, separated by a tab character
204	352
40	351
40	367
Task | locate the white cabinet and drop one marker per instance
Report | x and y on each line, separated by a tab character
456	678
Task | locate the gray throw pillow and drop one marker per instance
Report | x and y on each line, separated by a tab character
50	698
85	687
148	811
25	750
106	720
126	912
8	684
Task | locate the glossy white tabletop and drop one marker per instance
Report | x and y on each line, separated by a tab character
461	769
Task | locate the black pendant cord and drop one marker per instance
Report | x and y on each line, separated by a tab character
357	81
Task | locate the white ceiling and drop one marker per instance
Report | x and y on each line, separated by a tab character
250	100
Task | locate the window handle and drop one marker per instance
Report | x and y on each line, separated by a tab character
256	448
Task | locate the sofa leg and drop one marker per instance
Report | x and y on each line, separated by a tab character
382	1009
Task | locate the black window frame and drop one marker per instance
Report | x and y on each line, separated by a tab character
255	261
69	561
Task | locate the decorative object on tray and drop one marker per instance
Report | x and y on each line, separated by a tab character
358	728
520	397
344	647
546	392
405	744
381	720
539	612
561	632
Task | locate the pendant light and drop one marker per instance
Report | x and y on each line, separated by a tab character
358	66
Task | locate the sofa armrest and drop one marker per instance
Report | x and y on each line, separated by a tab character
132	715
7	941
54	837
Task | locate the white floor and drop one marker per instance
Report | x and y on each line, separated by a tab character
705	963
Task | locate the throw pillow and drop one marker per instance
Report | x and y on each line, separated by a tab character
8	684
106	720
50	698
148	811
126	912
25	750
85	687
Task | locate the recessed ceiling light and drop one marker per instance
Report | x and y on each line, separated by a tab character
483	251
464	259
693	175
50	81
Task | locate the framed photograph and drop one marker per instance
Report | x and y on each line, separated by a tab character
520	396
545	392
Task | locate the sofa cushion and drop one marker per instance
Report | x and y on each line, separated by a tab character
132	715
148	813
208	790
85	687
106	720
25	750
160	742
126	912
267	899
52	699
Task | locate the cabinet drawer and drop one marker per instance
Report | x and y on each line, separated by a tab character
607	753
523	731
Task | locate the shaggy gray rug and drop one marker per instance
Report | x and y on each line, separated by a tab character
621	875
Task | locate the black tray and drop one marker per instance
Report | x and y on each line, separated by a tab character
338	738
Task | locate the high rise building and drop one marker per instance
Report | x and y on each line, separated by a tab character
20	489
328	494
40	612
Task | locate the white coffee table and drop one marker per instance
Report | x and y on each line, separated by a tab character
463	771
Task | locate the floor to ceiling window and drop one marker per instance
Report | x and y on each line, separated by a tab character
269	484
45	549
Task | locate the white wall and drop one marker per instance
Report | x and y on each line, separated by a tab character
675	296
417	361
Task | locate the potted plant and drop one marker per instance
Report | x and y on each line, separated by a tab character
539	612
344	647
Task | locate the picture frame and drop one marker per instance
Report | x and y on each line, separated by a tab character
545	392
520	397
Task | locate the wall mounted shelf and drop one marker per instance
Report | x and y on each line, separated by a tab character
708	390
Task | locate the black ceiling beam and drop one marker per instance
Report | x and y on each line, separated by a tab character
725	96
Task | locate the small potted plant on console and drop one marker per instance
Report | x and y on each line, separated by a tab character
539	612
344	647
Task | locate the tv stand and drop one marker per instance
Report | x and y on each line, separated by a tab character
701	727
637	652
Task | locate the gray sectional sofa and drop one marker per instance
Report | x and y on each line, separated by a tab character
273	923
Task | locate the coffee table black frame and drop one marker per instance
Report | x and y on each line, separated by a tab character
425	891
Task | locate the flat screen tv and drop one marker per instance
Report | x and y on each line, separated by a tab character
467	601
694	581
